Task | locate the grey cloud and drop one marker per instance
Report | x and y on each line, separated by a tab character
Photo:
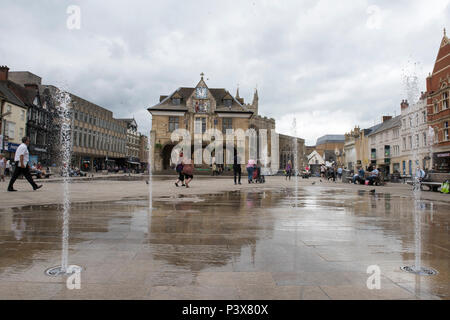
309	58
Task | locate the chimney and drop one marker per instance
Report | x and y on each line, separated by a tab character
404	104
385	118
4	73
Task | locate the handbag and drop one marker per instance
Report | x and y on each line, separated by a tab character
187	169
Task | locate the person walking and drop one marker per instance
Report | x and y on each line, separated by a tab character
21	159
2	167
288	170
339	173
323	171
334	171
237	169
188	171
179	169
8	168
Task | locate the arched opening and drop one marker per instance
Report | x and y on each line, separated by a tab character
165	155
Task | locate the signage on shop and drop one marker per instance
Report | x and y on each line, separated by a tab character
12	147
442	155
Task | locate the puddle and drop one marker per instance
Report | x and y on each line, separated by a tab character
333	232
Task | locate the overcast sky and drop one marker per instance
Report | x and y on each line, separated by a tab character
330	64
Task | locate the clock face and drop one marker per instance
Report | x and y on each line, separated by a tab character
201	93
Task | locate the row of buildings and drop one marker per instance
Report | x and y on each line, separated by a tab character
417	137
213	108
100	141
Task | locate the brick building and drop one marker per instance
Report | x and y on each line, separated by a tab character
438	106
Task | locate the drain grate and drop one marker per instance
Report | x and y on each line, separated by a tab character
423	270
58	270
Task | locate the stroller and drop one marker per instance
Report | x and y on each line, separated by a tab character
257	176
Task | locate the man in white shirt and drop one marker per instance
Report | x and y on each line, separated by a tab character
21	159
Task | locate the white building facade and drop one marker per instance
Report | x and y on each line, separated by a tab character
384	145
415	140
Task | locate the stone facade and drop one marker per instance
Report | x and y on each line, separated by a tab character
356	148
198	109
415	147
13	126
384	144
287	152
133	146
143	150
331	148
99	140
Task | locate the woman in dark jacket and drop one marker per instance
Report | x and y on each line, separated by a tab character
179	169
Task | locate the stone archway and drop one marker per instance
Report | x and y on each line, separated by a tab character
165	156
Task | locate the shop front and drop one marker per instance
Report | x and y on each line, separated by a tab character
441	161
39	155
10	150
133	164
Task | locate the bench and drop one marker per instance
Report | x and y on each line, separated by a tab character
37	175
432	180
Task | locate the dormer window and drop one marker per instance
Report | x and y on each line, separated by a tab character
228	103
176	101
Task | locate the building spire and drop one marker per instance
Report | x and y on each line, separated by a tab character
237	92
202	75
255	101
445	40
255	95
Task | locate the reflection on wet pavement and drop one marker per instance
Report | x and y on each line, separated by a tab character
235	245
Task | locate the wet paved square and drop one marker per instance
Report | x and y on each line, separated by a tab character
250	244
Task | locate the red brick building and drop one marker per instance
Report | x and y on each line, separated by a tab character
438	106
